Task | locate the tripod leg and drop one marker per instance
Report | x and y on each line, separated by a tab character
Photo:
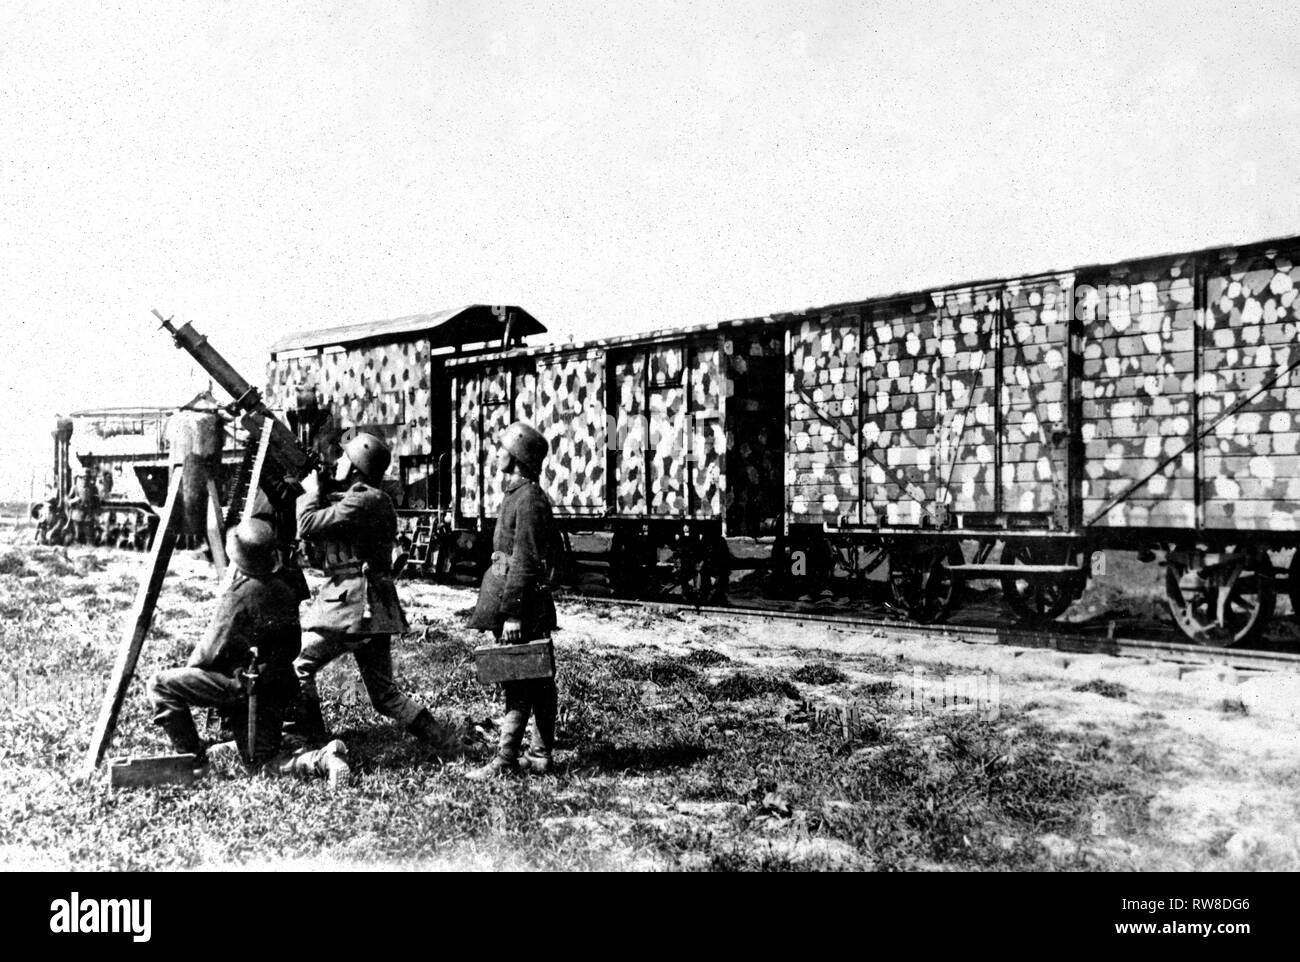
137	626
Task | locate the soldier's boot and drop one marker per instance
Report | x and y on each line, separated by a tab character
183	736
334	758
506	761
428	730
537	760
308	723
330	761
224	758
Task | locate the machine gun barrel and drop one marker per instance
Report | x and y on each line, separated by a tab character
290	454
247	398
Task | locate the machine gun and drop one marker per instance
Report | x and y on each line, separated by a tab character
273	466
286	455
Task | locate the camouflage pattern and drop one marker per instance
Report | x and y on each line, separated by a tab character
930	369
1250	466
670	441
666	471
903	410
708	443
468	466
930	372
526	394
822	401
1035	352
496	414
630	424
754	430
570	413
1138	389
384	388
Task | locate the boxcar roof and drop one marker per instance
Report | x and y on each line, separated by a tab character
782	317
640	337
123	412
457	325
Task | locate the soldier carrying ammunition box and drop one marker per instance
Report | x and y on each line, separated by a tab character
515	602
357	610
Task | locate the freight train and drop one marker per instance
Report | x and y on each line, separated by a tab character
1010	430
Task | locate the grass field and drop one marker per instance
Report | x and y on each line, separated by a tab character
677	752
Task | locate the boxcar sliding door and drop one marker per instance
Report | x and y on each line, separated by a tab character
670	440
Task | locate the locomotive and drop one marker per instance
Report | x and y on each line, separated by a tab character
1008	430
111	469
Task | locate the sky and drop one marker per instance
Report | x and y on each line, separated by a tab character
260	168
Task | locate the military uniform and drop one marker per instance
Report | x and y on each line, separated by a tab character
523	544
253	612
83	511
357	609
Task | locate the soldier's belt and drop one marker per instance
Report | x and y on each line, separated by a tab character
359	569
347	568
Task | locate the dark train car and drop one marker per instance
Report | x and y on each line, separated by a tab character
1012	429
670	441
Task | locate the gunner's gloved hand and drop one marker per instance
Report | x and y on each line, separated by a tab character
512	631
286	490
311	483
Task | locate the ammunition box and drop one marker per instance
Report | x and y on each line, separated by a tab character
498	663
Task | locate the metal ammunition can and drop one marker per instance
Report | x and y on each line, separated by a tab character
498	663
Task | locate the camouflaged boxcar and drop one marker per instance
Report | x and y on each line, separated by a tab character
1012	430
389	378
669	441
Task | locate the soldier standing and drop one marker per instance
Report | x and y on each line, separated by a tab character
255	626
523	544
357	610
83	510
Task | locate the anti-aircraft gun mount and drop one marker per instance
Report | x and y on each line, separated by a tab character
271	468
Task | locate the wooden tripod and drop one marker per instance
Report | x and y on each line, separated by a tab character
140	619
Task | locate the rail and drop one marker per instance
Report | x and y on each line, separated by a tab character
1057	637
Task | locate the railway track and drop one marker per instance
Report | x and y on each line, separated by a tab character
1101	637
1105	642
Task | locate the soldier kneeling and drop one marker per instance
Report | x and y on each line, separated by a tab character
256	623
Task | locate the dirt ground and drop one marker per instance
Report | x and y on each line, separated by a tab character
687	742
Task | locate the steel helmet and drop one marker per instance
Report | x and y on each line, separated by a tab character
527	445
251	547
369	455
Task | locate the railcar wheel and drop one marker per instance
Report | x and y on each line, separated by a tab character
1034	601
1245	585
630	565
923	587
855	562
798	566
704	571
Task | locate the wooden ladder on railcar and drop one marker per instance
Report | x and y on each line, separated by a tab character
422	540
